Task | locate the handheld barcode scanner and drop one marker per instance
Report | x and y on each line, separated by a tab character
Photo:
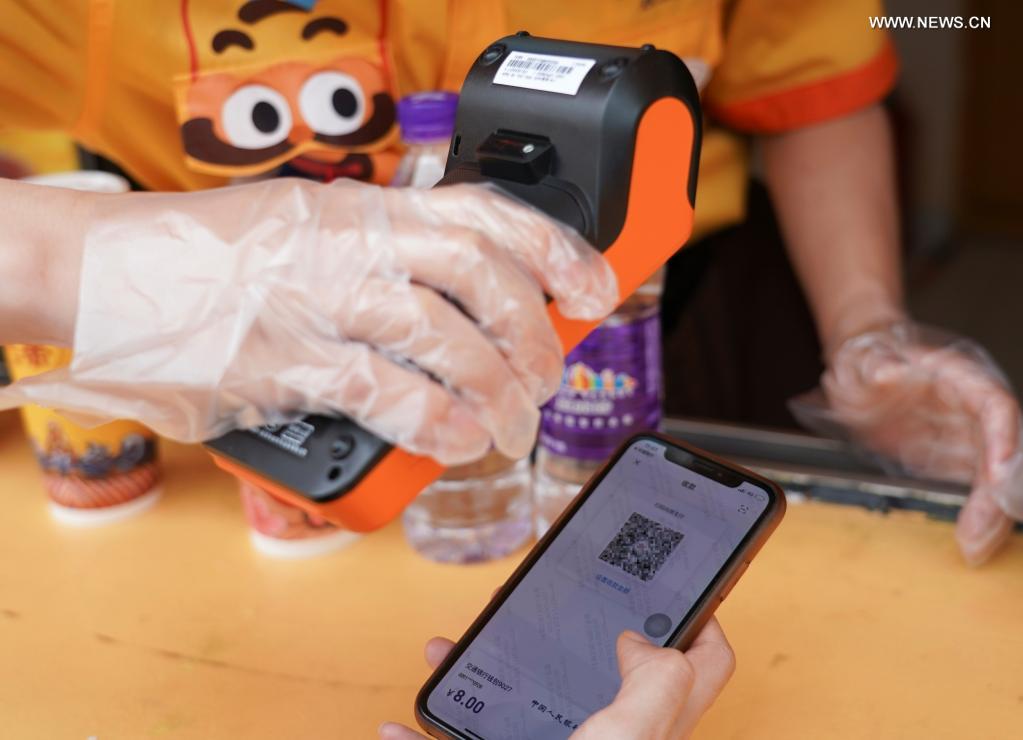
603	138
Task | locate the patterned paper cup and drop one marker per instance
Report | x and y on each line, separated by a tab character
285	531
91	475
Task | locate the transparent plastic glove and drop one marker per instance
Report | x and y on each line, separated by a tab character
421	314
938	406
664	692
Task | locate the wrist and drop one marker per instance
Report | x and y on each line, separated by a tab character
62	266
859	313
41	263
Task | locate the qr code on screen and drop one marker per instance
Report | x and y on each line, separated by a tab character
641	547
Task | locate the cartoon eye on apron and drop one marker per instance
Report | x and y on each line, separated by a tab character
332	103
285	84
256	117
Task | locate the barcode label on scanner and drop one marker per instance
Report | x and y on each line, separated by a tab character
543	72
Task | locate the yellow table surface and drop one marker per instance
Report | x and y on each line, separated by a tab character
849	625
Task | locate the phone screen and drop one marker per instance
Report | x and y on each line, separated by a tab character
638	554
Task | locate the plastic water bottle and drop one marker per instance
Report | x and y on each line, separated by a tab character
427	120
482	510
611	389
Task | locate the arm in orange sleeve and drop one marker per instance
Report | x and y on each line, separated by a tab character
805	77
793	63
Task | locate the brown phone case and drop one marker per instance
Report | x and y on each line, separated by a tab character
701	612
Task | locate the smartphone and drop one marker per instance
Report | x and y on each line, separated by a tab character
653	543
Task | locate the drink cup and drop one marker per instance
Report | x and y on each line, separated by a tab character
91	475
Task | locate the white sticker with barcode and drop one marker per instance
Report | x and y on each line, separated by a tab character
543	72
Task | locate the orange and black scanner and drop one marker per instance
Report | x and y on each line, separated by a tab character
603	138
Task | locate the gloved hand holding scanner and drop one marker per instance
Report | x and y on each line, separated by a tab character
605	140
419	316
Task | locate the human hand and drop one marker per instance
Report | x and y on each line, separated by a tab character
664	692
421	314
938	406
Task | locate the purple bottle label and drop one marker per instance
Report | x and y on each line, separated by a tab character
611	389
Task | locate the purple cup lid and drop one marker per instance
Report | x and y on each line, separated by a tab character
427	116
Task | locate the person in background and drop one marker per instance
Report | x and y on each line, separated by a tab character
179	319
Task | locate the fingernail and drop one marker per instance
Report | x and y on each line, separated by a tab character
979	521
981	533
523	431
551	369
539	368
974	558
975	553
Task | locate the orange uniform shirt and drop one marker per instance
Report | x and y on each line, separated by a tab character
185	94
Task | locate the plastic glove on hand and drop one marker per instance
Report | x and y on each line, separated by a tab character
420	314
937	405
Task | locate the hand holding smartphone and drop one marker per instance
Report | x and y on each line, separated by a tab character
653	543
